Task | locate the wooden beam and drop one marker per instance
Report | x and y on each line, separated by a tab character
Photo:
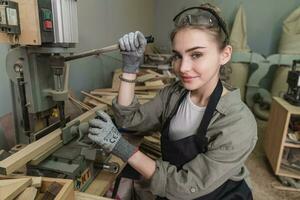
79	103
85	196
146	77
46	153
104	93
137	88
97	98
154	73
20	158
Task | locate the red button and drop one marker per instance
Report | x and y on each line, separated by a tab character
48	24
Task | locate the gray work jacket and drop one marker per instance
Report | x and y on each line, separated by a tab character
232	133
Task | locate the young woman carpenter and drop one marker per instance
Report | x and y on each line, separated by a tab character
207	132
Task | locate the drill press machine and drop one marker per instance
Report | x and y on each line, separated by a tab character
42	34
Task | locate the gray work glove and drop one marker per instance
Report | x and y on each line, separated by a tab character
103	132
132	47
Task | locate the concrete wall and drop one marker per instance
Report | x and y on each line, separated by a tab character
264	20
5	96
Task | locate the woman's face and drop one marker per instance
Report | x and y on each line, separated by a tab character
197	58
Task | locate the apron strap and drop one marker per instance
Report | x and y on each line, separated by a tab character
202	140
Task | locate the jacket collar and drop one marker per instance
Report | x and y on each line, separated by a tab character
231	98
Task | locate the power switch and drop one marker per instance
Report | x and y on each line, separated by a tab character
47	14
47	19
48	25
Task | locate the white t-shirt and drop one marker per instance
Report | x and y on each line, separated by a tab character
187	119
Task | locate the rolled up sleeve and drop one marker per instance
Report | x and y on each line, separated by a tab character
206	172
137	117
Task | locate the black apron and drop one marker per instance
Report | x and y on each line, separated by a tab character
184	150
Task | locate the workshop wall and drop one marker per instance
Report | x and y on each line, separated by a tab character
264	20
102	23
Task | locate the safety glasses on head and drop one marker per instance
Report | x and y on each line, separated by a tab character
204	17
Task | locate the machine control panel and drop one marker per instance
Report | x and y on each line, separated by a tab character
46	21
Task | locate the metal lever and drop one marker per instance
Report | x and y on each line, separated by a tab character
112	167
150	39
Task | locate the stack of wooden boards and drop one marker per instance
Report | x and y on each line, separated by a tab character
147	86
35	188
41	188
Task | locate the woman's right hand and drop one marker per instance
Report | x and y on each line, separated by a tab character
132	47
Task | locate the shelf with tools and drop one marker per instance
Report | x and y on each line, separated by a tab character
279	147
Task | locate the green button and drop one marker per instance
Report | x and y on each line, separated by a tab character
47	14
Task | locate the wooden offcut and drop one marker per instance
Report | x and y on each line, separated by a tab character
28	194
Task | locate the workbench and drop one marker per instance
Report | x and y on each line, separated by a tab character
41	147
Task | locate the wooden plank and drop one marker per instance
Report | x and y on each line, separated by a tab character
79	103
116	80
104	93
85	196
28	194
5	182
154	73
145	77
92	102
11	191
97	98
137	88
30	25
154	83
46	153
285	188
20	158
